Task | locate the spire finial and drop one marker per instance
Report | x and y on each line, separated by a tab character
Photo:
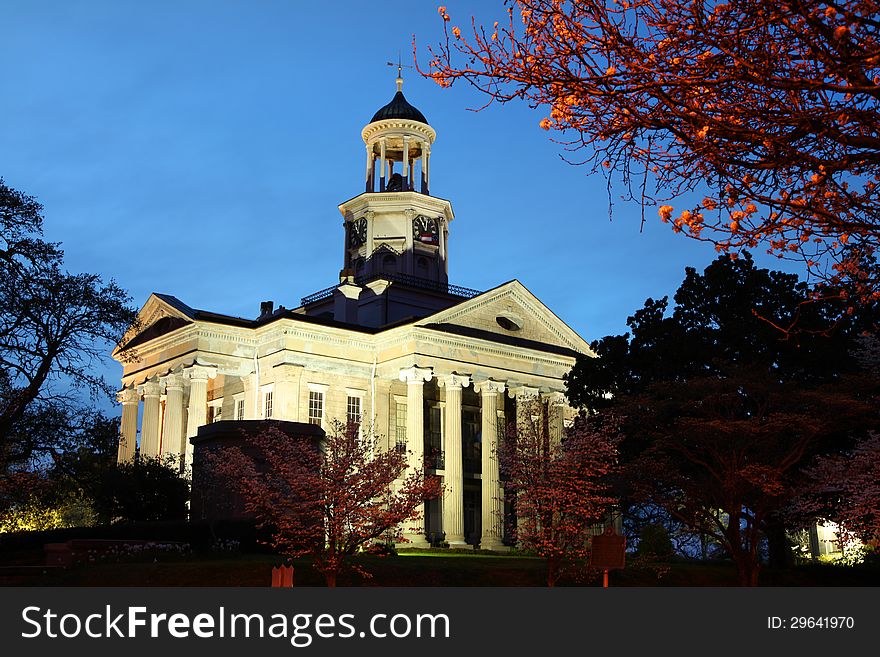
400	68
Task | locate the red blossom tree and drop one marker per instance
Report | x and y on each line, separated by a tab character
327	500
560	488
770	111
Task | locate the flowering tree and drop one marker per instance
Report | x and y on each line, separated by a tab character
328	500
847	490
560	488
769	110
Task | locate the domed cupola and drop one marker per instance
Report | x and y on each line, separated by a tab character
399	108
398	139
396	233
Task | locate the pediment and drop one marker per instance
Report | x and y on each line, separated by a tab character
511	313
161	314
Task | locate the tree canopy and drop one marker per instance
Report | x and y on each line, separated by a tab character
723	318
327	500
55	326
768	111
721	414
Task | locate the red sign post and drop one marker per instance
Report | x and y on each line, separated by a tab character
282	576
608	551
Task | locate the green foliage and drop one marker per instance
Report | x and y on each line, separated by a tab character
33	502
654	541
32	515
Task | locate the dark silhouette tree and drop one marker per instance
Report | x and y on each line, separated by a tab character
54	327
725	456
146	489
722	413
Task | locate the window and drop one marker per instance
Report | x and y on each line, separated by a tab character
389	263
471	438
434	454
354	410
239	409
267	404
400	426
265	401
316	407
509	322
422	264
215	411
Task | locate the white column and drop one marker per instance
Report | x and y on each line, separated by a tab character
443	227
415	378
526	397
197	411
556	412
369	186
424	181
172	438
382	177
526	406
524	393
453	498
426	164
406	161
492	507
129	398
151	390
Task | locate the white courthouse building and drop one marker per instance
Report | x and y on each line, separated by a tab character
428	365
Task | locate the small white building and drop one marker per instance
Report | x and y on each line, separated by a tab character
427	365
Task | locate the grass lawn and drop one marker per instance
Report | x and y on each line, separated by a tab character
406	569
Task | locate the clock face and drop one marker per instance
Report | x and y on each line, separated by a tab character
357	233
426	230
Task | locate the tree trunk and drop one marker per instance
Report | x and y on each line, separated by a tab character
330	578
551	572
747	570
780	554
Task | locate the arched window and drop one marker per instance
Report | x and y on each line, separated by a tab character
359	265
389	263
422	265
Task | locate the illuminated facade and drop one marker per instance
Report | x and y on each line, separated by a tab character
425	364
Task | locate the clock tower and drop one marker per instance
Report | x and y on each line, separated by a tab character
396	228
396	234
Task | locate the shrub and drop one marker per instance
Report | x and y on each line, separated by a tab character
142	490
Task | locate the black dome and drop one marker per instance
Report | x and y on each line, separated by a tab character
399	108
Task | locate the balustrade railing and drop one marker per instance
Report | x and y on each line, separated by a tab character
406	279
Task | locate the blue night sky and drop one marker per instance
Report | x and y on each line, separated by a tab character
200	148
